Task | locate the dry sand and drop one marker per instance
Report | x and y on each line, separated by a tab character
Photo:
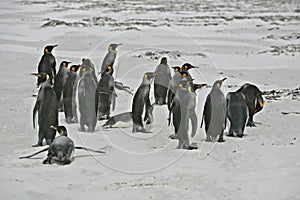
247	41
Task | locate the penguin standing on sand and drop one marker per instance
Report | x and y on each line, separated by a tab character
47	64
254	100
46	106
161	81
105	92
173	86
87	101
141	103
214	113
60	81
183	108
237	113
68	93
111	59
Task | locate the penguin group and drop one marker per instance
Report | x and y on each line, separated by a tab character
87	97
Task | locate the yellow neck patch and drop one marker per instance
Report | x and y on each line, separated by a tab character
180	85
145	76
261	104
219	85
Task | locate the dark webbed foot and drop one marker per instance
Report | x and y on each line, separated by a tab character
251	124
173	136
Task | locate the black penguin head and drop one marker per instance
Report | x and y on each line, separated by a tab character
259	103
187	66
218	83
184	84
184	74
176	68
42	76
113	46
198	86
163	60
149	75
74	68
64	64
49	48
61	130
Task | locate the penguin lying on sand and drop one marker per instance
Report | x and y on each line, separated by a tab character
62	148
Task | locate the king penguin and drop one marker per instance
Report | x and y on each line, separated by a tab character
46	106
105	92
60	81
254	100
47	64
87	104
214	113
141	103
68	93
111	59
161	81
186	67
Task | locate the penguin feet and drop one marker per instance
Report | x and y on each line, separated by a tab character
141	130
47	161
221	139
173	136
192	146
81	129
38	144
251	123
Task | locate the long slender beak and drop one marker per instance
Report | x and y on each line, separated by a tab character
55	45
53	127
69	62
194	66
36	74
224	79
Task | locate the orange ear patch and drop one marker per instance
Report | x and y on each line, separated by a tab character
46	51
180	85
145	76
184	74
109	67
186	67
261	104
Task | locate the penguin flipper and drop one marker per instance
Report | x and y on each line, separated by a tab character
91	150
35	109
194	121
46	149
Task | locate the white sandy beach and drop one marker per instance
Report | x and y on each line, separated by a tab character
246	41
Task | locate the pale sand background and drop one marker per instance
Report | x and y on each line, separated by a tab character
247	41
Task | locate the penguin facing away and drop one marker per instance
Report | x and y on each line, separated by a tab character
105	92
141	104
161	81
46	107
87	100
214	113
60	81
47	64
254	100
173	84
68	93
237	113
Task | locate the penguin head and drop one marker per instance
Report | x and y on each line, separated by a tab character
49	48
184	84
42	76
176	68
74	68
218	83
187	66
163	60
61	130
259	103
184	74
149	75
113	46
198	86
64	64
